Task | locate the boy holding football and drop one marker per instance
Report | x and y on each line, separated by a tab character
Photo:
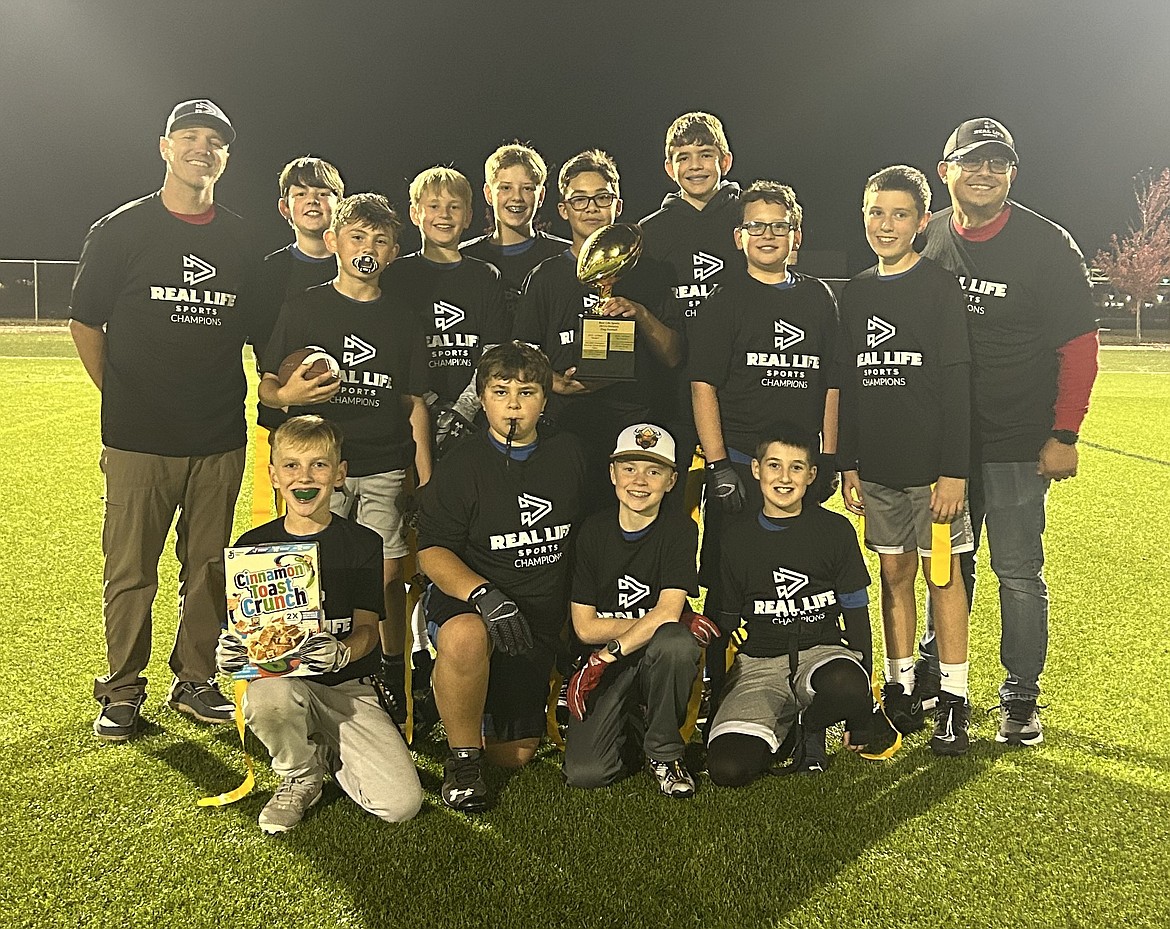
378	399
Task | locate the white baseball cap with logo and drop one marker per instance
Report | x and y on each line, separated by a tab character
645	442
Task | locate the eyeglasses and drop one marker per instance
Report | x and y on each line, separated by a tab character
781	228
972	163
602	201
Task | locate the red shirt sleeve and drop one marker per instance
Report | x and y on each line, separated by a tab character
1078	371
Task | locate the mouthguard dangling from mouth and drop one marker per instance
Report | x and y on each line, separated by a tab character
366	264
306	494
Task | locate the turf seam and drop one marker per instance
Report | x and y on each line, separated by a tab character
1118	451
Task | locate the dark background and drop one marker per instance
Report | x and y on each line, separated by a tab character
818	95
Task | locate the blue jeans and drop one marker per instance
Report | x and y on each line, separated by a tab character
1008	499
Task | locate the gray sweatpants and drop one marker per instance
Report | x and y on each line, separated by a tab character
311	729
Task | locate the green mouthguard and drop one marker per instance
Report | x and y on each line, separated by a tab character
306	494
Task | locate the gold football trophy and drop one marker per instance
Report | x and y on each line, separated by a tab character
606	343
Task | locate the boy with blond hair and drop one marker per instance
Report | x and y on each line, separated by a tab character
514	179
330	721
378	399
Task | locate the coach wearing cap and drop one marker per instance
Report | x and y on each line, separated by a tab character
159	329
1033	332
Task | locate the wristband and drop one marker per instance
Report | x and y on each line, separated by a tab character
1065	436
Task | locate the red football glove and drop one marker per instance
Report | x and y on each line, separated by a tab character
583	683
704	631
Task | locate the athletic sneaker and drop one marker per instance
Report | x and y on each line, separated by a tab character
464	788
952	716
201	700
674	780
1019	723
927	683
903	710
810	757
884	737
119	720
289	804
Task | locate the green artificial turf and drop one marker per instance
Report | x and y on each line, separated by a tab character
1074	833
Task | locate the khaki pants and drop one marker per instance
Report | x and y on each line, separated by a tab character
143	492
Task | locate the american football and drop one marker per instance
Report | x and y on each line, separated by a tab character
317	359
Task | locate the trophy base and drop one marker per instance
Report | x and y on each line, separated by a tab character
607	349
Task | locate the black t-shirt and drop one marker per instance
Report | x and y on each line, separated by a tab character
510	521
166	291
624	577
785	579
514	261
459	308
905	378
549	314
283	275
1027	295
770	353
351	579
383	364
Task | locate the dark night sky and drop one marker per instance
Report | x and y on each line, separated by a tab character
817	94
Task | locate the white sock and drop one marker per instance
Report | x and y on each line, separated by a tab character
901	671
954	678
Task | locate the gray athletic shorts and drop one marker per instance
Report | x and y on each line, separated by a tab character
758	700
898	521
376	498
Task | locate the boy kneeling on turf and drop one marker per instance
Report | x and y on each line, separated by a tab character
789	578
330	722
633	570
493	537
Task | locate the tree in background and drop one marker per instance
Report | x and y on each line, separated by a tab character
1138	263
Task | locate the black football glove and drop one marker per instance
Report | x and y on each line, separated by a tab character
506	625
449	426
323	653
725	485
231	654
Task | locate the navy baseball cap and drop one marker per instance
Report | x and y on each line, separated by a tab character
201	113
976	133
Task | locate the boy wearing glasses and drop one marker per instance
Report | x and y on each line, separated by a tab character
905	441
551	306
768	356
1033	334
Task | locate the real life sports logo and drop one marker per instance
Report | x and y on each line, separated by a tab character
533	509
356	350
447	315
196	270
787	335
877	331
705	265
630	591
788	582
